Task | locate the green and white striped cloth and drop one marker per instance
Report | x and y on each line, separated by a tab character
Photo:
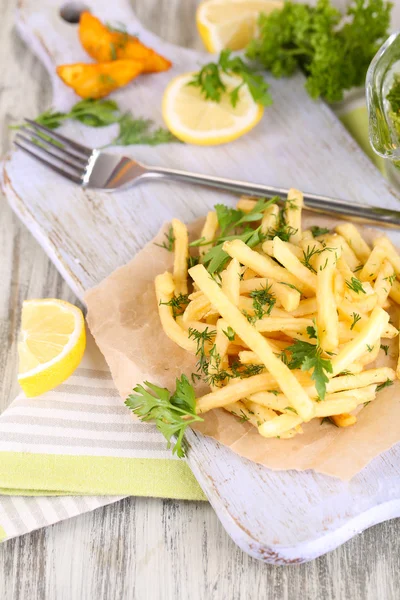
77	448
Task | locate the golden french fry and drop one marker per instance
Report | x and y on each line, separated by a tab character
310	250
164	285
268	248
394	293
364	379
390	252
234	391
384	280
255	341
369	335
293	209
333	240
271	400
239	409
181	255
373	264
246	204
355	240
270	219
263	265
261	413
327	317
307	235
283	324
231	281
208	232
305	307
279	425
283	254
196	309
344	420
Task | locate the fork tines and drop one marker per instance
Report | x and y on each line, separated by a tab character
62	155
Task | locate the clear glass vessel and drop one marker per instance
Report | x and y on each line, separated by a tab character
384	138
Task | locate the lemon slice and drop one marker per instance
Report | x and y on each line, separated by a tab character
195	120
51	346
231	23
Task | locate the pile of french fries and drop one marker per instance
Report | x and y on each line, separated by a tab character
324	294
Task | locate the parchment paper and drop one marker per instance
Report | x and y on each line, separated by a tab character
123	318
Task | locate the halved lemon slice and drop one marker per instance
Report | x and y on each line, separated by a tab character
231	23
195	120
51	346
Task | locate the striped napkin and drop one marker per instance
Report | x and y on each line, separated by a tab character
77	448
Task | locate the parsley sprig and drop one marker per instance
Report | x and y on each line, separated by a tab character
307	357
333	50
172	413
212	86
101	113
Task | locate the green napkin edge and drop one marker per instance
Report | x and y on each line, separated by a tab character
29	474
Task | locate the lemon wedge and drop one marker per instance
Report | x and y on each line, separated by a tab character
231	23
195	120
51	346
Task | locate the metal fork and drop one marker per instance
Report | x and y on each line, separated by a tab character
93	168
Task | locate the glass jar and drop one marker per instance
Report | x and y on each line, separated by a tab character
383	136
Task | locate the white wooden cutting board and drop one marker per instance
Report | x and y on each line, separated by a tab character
278	517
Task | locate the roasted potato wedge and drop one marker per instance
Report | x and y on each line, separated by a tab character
99	80
105	45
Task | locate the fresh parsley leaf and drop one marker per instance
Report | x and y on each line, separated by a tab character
230	334
387	383
309	357
209	80
139	131
333	50
311	332
172	414
316	231
355	285
168	244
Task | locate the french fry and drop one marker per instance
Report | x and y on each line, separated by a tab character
390	252
246	304
293	209
273	401
332	240
279	425
241	411
270	219
305	307
367	337
262	265
103	45
373	264
311	249
218	360
369	356
344	420
231	281
327	317
196	309
268	248
246	204
99	80
181	255
268	324
209	231
234	391
355	240
307	235
364	379
164	285
261	413
383	281
255	341
394	293
285	295
248	274
283	255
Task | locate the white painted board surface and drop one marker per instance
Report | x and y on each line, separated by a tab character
88	234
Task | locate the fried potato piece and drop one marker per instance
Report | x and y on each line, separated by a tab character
105	45
97	81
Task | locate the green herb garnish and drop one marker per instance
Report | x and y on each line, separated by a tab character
178	304
168	244
385	349
172	414
387	383
230	334
316	231
263	302
355	285
212	86
356	318
334	51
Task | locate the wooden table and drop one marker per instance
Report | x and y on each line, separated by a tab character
142	548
